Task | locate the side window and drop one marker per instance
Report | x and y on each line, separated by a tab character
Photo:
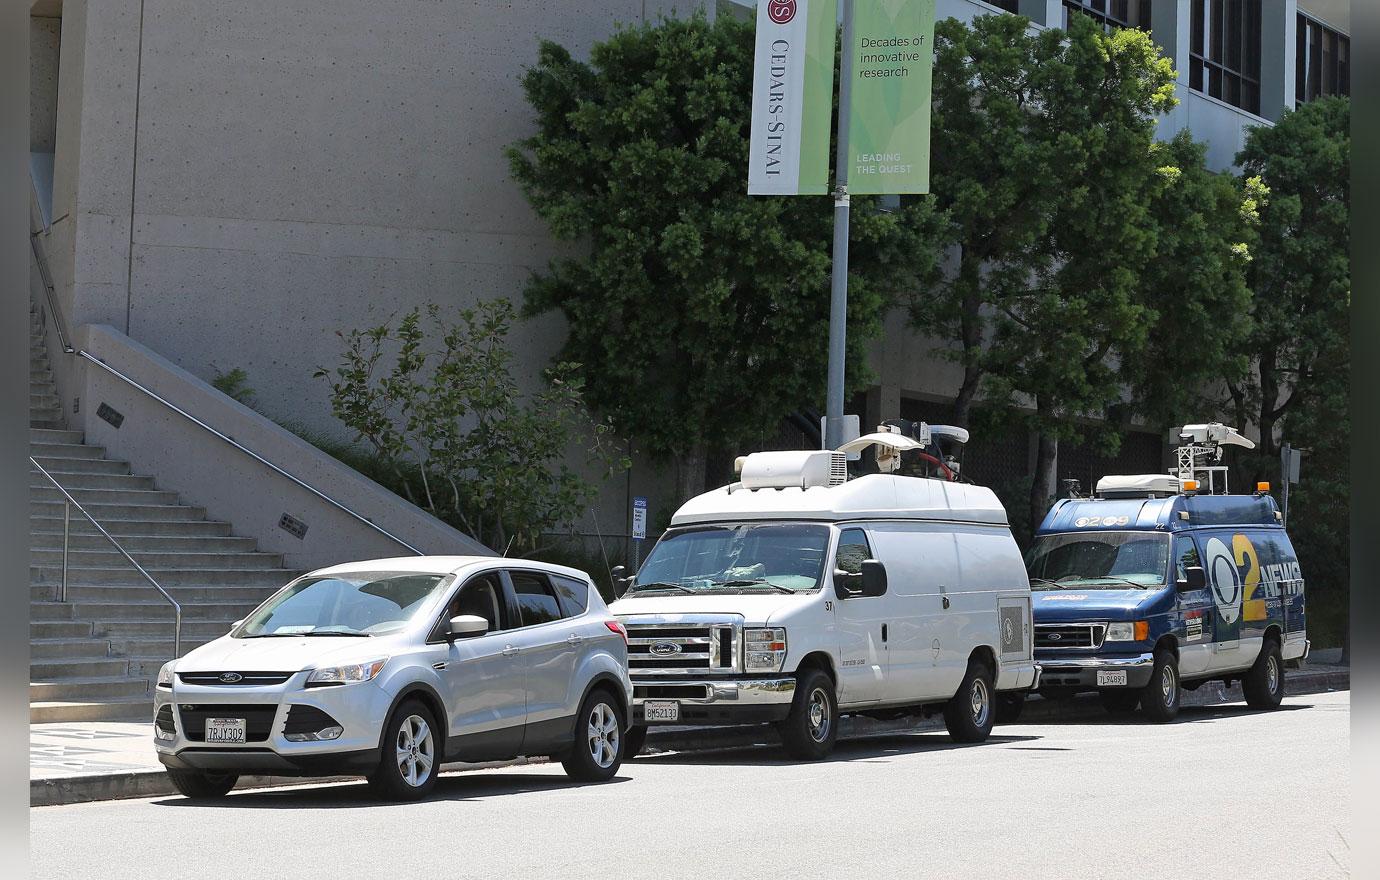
574	595
537	602
481	596
1185	557
853	550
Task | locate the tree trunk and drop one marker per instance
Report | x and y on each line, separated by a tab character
970	334
1044	487
690	473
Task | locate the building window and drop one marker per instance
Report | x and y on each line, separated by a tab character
1012	6
1224	51
1323	65
1111	13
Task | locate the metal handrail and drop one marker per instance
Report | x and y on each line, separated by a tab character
50	293
66	539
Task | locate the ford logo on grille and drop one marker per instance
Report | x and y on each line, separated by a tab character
1054	637
231	677
665	649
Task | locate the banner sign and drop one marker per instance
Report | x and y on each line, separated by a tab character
792	97
889	126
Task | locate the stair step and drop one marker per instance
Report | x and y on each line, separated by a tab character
107	513
141	609
62	467
76	648
137	545
82	668
44	423
65	437
115	576
83	480
60	629
121	592
138	630
52	525
90	689
55	449
139	497
80	557
125	709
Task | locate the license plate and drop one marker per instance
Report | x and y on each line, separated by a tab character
661	710
1111	677
225	730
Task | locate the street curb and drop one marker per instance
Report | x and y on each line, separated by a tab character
155	783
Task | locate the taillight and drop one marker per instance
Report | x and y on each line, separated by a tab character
615	626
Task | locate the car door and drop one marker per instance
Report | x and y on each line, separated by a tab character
1228	589
1195	610
550	649
484	676
861	624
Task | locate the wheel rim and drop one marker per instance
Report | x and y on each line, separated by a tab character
416	751
1272	673
603	735
1169	685
819	715
981	702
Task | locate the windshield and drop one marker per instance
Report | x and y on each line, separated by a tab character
1098	560
775	557
363	604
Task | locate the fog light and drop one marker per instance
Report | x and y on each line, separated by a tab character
328	733
165	735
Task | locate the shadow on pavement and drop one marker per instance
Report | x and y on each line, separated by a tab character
871	748
460	787
1087	712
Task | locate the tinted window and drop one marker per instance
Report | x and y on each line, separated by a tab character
536	602
481	596
852	552
574	595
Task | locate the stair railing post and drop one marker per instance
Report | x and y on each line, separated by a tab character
66	541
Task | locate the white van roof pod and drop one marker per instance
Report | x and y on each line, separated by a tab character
875	496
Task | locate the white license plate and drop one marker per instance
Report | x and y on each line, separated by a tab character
1111	677
661	710
225	730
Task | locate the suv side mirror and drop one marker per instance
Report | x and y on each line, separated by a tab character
1194	579
873	578
466	626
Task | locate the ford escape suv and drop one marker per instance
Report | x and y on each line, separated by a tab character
391	667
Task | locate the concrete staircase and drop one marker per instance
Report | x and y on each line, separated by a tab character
95	656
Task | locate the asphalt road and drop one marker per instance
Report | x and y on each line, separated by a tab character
1225	792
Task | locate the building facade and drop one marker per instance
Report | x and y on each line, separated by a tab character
231	184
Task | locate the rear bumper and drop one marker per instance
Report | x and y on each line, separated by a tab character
1080	673
737	701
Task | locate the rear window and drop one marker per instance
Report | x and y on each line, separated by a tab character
574	595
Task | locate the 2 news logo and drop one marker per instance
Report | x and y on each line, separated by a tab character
781	11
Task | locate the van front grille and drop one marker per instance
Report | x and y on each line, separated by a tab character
681	649
1056	636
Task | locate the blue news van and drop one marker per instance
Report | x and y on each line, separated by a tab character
1152	588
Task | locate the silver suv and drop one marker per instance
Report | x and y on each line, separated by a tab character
389	668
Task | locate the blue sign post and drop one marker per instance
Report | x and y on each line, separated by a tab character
639	528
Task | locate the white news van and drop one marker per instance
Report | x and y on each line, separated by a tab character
798	595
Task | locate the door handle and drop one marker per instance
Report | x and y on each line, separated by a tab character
440	665
884	632
574	638
945	600
510	651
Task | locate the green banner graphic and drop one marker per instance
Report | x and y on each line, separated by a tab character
889	124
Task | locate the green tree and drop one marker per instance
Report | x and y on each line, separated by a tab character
437	404
1297	388
699	314
1046	165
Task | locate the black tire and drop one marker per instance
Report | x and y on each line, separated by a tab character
411	738
1009	707
1263	683
202	786
970	713
1159	699
634	741
1119	702
812	728
600	739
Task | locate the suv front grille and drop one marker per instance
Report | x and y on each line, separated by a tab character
681	649
258	718
244	679
1070	635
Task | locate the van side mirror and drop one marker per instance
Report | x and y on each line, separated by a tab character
467	626
621	580
1194	579
873	578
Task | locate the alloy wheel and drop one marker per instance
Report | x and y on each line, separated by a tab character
416	751
603	735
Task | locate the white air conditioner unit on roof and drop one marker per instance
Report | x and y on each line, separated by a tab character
793	470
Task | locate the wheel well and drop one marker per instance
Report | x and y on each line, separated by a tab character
605	682
427	697
1170	644
818	660
984	655
1273	632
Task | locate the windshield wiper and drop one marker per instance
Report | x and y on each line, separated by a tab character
755	582
662	585
311	632
1104	577
1047	581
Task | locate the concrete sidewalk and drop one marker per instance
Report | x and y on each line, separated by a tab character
96	761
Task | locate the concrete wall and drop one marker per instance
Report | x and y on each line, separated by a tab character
208	472
44	34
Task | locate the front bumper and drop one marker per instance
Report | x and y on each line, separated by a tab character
359	709
1080	673
710	701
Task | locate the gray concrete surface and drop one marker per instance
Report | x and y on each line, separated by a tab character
1226	792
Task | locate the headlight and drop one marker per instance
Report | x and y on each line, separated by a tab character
350	674
764	649
1128	631
165	674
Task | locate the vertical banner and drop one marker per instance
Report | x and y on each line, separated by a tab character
792	97
889	126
